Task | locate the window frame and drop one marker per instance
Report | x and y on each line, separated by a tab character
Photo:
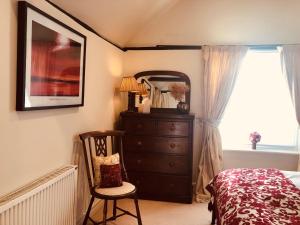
277	148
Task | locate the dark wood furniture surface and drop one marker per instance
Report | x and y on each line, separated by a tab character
158	154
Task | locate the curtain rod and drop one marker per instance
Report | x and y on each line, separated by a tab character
264	47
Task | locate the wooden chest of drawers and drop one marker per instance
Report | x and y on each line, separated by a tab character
158	155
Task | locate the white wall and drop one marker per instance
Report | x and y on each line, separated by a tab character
260	159
34	143
189	62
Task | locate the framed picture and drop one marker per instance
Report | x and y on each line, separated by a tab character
51	62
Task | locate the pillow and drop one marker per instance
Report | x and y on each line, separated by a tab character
110	176
101	160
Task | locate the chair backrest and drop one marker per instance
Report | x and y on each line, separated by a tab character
96	143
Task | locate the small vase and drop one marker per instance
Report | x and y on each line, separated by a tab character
183	107
253	145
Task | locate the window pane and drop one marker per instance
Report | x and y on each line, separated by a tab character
260	102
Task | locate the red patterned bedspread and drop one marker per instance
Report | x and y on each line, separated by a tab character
255	196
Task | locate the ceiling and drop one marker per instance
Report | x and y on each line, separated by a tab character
116	20
189	22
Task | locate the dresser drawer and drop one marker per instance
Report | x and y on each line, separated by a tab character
139	126
173	128
171	145
159	163
156	185
158	154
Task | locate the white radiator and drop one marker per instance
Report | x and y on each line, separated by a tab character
50	200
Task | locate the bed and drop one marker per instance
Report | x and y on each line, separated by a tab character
255	197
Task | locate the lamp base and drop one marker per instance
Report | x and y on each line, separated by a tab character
131	102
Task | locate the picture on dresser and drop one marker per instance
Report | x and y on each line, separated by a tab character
167	90
51	59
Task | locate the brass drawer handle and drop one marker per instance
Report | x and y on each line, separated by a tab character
139	161
171	164
139	143
172	145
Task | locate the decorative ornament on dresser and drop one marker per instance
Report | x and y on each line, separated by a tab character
144	101
178	92
254	138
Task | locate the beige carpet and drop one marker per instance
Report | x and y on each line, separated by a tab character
163	213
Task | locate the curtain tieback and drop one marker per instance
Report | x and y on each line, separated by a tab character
209	122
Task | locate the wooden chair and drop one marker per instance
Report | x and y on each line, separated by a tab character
96	143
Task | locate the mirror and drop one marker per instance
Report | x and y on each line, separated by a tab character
165	89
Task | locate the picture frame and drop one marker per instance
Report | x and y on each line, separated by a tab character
50	62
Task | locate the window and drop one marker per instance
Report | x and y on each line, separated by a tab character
260	102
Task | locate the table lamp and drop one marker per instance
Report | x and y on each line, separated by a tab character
130	85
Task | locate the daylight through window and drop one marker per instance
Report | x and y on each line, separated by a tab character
260	102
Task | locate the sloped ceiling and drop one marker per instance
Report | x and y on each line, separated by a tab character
116	20
197	22
190	22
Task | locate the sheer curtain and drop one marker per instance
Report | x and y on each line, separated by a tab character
290	60
221	66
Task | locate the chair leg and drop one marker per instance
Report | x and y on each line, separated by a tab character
115	209
88	211
138	214
213	217
104	212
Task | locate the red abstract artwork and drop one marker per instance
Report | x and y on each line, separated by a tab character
55	63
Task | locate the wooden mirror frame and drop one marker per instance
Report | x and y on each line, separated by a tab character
180	75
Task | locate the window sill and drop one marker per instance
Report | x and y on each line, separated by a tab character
271	151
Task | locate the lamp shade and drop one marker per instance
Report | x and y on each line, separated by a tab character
129	84
142	89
